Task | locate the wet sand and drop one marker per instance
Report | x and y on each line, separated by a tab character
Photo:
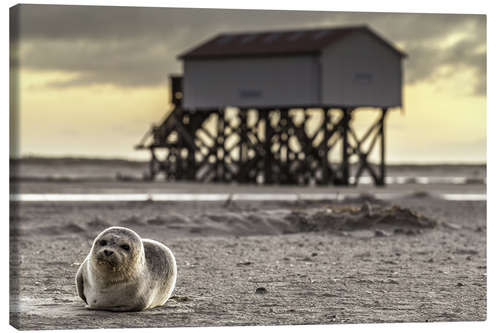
252	263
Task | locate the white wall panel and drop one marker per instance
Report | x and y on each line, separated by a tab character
243	82
360	71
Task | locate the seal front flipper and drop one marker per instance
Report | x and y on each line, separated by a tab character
79	283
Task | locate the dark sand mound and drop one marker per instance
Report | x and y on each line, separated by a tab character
342	218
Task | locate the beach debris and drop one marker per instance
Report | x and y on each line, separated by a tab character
475	181
451	226
420	194
381	233
124	177
362	254
389	262
413	232
406	231
261	290
181	298
246	263
466	251
460	284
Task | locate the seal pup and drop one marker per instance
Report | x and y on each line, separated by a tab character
126	273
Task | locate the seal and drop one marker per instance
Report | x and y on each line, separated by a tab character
126	273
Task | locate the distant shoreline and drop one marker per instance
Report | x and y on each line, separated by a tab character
36	169
97	160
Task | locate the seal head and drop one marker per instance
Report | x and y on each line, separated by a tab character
117	250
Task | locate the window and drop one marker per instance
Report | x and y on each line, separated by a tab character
224	40
272	37
296	36
321	34
250	93
248	38
363	77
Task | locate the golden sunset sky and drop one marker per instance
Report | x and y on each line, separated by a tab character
89	81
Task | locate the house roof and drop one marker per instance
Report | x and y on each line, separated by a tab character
268	43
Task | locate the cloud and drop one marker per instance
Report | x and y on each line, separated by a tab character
137	46
426	58
122	63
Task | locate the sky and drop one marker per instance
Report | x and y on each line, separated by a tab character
90	81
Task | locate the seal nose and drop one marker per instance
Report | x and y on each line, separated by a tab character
107	253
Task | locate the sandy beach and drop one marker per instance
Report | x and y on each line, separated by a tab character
305	166
261	263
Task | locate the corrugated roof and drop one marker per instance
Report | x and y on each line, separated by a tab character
275	42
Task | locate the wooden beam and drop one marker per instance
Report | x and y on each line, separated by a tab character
381	181
346	117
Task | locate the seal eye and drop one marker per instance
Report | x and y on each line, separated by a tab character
125	247
103	243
